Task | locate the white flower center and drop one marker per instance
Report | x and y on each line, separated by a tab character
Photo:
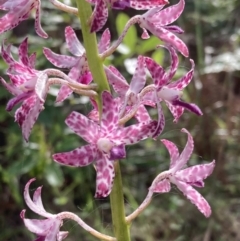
104	145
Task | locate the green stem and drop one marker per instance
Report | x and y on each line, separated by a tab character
90	44
121	228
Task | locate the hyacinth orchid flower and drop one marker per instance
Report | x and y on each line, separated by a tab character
156	20
169	91
106	142
46	229
27	85
19	10
100	13
130	95
185	178
78	65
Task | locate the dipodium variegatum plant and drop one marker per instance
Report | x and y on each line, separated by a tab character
114	101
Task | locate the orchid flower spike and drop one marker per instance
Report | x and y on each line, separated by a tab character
19	10
157	20
28	85
106	142
185	178
45	229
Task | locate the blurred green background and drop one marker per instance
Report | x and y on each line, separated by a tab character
212	32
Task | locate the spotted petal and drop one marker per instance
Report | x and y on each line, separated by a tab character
162	186
195	197
168	37
134	133
104	42
117	81
110	113
195	173
100	15
105	176
186	153
169	14
173	151
79	157
27	114
185	80
83	127
156	71
61	61
74	45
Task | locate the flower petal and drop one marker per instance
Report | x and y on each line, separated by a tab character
74	45
185	80
23	52
104	42
142	114
195	197
105	176
27	114
186	153
146	4
176	111
157	72
167	37
16	100
40	227
189	106
33	206
12	89
99	15
38	26
162	186
174	63
83	127
139	78
61	61
37	199
195	173
173	151
134	133
110	113
169	14
117	81
79	157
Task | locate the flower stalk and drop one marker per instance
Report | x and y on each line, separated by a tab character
121	228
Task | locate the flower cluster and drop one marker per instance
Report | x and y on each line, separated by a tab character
104	128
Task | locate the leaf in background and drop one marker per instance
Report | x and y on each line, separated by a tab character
54	175
148	45
130	39
158	56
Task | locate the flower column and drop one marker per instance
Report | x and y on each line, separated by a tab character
121	228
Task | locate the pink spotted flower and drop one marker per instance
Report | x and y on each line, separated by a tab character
130	96
45	229
77	64
157	20
185	178
19	10
106	142
100	13
168	90
27	85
